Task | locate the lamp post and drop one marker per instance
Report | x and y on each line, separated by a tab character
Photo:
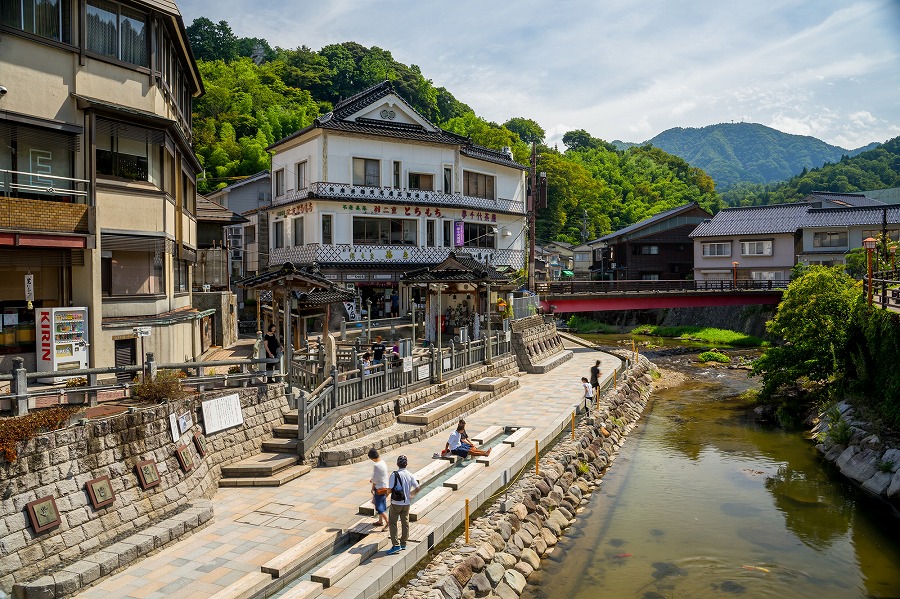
869	243
893	251
734	266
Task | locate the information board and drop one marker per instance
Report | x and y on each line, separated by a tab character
222	412
407	364
423	373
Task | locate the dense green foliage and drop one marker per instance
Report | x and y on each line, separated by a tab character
878	168
704	334
735	153
714	355
583	324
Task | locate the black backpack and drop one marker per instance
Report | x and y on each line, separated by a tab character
397	493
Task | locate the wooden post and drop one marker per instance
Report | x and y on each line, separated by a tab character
537	457
573	426
467	521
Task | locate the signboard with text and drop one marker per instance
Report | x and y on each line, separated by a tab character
222	412
459	233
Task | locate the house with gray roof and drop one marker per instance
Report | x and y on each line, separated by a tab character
828	234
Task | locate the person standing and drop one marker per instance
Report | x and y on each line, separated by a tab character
273	351
395	304
378	351
595	377
588	391
379	487
404	487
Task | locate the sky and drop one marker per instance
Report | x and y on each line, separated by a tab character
623	69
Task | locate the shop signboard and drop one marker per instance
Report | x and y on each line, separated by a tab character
459	233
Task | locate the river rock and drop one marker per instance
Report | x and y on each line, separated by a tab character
531	528
462	573
513	549
879	483
497	541
576	491
861	467
505	530
505	560
846	456
468	593
476	563
543	487
515	580
584	486
529	556
559	518
527	537
480	584
892	457
539	545
529	504
518	541
494	573
893	489
503	591
523	568
565	512
550	535
520	511
486	552
449	587
514	522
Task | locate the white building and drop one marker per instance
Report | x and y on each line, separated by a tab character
373	189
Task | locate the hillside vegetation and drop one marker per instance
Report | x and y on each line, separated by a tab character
247	107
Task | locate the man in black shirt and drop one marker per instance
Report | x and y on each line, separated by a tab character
273	350
595	377
378	351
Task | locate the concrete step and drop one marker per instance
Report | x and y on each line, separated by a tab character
433	410
282	477
264	464
245	587
487	434
285	431
343	564
292	417
423	505
460	478
518	436
308	551
280	446
305	589
497	451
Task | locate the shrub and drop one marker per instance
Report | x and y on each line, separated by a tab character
76	382
581	467
234	369
165	386
714	356
22	428
588	325
705	334
886	467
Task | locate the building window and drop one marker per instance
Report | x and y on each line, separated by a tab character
646	250
279	183
430	234
479	236
118	31
830	240
45	18
763	275
250	234
384	231
367	172
129	152
131	273
893	234
422	182
396	173
716	249
278	234
478	185
650	277
300	169
448	233
756	248
298	231
181	275
448	179
327	237
582	256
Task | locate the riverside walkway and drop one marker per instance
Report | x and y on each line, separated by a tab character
252	525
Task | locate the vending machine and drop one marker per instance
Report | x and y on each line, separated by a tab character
62	340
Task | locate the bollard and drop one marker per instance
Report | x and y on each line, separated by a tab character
467	521
615	377
19	387
343	329
537	457
573	426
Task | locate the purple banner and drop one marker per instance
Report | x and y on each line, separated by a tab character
459	235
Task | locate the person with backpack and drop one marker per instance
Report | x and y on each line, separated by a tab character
404	487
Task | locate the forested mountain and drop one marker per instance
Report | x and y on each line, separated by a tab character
873	169
733	153
249	106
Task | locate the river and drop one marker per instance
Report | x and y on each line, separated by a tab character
705	502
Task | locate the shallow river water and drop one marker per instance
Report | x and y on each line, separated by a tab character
704	502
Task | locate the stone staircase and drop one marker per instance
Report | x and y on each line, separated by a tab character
276	465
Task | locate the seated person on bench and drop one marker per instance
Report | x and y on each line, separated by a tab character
459	443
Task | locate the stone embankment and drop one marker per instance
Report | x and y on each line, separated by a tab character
508	541
859	453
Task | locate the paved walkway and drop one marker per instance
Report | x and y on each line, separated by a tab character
253	525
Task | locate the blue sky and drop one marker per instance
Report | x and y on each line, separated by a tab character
623	69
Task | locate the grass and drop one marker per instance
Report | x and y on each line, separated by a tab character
704	334
588	325
714	356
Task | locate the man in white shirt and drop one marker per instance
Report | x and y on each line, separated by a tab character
459	443
401	481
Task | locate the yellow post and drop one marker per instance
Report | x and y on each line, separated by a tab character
467	521
573	426
615	377
537	456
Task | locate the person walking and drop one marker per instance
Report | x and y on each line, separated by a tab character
379	487
404	487
273	351
588	391
378	350
595	377
395	304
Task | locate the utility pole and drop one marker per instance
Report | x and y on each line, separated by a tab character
584	228
530	207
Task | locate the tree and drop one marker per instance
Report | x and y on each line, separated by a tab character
582	140
211	41
527	130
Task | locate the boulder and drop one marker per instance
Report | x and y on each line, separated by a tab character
494	573
893	490
543	487
515	580
449	587
475	562
520	511
462	572
539	545
480	584
846	456
530	557
549	537
505	560
892	457
503	591
485	551
505	531
497	541
879	483
523	568
861	467
527	537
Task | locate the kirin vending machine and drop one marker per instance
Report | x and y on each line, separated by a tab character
62	340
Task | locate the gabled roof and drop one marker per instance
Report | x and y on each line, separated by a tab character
347	117
838	199
290	275
778	218
210	211
456	268
661	216
232	186
849	217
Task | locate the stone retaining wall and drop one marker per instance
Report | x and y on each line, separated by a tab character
508	541
865	459
59	464
537	345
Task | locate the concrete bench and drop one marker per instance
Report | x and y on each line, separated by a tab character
308	551
458	479
517	436
496	452
550	363
245	587
423	505
489	384
487	434
305	589
343	564
435	409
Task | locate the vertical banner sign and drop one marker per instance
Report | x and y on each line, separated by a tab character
29	288
459	236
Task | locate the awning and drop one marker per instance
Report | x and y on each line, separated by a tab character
568	273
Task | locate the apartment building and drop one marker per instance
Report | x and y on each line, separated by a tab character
97	177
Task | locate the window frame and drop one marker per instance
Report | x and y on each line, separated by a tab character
768	247
118	55
418	181
704	246
63	34
301	168
278	234
278	183
330	217
366	163
297	225
476	177
377	226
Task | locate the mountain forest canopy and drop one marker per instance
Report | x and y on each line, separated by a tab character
257	94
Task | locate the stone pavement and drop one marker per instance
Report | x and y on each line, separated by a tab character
254	524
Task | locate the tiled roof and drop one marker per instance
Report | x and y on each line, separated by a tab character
848	217
646	222
307	274
842	199
320	297
456	268
779	218
210	211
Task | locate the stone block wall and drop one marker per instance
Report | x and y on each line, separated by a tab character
61	462
536	343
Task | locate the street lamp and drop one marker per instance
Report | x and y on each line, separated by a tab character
734	266
869	243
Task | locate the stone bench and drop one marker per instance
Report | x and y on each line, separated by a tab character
423	505
92	567
489	384
343	564
436	409
550	363
461	477
517	436
496	452
308	551
487	434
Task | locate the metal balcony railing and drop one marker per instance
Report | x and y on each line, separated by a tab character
41	186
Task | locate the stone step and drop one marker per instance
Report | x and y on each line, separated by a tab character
487	434
292	417
460	478
423	505
276	480
517	436
305	553
285	431
497	451
305	589
433	410
264	464
489	384
280	445
343	564
245	587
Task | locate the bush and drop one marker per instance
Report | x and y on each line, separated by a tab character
21	428
714	356
166	386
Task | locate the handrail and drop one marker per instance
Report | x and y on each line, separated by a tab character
654	286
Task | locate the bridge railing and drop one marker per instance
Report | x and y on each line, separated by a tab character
641	286
886	289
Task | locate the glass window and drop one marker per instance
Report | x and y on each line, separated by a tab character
132	273
298	231
582	256
430	233
650	277
647	250
278	234
117	31
893	234
300	170
479	236
828	239
279	183
396	173
756	248
762	275
46	18
181	275
327	237
448	179
716	249
420	181
478	185
448	233
384	231
130	152
366	172
250	234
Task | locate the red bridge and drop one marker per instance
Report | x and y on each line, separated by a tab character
598	296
